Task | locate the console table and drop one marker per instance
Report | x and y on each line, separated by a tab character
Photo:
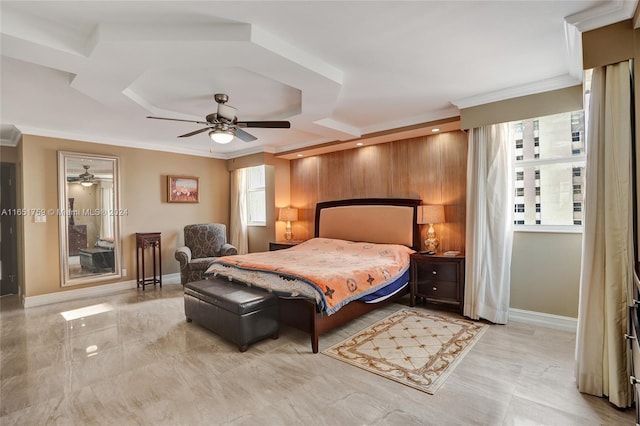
145	240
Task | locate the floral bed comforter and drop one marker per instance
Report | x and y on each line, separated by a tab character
331	272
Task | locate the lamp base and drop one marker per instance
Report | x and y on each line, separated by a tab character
288	235
431	244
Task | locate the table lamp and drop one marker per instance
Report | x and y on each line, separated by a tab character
431	214
288	214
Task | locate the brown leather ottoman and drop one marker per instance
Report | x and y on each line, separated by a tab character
234	311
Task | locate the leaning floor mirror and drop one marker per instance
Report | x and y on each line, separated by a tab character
89	217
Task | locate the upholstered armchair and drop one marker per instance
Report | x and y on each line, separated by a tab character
202	244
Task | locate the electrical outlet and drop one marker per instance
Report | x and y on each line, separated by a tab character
39	218
124	272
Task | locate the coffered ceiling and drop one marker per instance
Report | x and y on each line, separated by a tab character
337	71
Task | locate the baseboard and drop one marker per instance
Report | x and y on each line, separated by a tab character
100	290
543	319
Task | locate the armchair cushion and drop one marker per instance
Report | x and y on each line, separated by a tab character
203	243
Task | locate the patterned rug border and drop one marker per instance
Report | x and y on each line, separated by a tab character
405	313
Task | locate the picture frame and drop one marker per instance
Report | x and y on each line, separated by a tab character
183	189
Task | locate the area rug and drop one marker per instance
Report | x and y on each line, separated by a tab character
412	347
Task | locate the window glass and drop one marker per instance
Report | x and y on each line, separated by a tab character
549	155
256	199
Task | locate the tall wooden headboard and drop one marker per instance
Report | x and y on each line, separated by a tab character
376	220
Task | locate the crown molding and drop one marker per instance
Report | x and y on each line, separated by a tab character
9	135
602	15
547	85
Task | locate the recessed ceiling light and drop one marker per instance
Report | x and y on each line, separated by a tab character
300	155
435	130
359	144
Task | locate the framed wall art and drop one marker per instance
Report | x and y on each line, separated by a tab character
183	189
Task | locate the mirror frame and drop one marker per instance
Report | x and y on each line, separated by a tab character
63	220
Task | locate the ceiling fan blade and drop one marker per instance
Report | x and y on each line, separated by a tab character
186	135
265	124
244	135
177	119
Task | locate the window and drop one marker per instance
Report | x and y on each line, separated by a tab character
256	199
549	170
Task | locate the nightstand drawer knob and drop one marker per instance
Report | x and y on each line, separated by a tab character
434	272
435	289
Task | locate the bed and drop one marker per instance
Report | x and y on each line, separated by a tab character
385	227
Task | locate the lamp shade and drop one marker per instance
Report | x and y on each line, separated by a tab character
288	214
430	214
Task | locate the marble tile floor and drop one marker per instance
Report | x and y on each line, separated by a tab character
132	359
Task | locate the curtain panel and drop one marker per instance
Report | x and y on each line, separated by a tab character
489	235
238	232
606	283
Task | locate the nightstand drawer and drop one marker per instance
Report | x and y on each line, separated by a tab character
439	290
438	271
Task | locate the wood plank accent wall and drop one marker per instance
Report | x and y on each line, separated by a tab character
432	168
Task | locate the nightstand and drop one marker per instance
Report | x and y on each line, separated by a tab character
438	279
281	245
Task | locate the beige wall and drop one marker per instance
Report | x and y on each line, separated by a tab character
537	105
143	194
545	272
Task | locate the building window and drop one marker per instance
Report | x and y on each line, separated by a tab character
550	170
256	196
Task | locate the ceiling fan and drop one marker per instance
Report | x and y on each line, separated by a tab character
85	179
223	125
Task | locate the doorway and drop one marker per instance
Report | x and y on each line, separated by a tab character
8	232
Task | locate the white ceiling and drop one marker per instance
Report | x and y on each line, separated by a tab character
337	70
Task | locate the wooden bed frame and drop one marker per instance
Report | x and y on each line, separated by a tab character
303	314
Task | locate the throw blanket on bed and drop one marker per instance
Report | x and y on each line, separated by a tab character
333	272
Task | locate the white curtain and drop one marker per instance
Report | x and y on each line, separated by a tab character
489	233
602	353
106	205
238	234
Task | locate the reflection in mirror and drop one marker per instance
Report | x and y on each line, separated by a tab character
89	217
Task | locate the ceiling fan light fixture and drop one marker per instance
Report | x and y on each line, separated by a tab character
221	136
86	183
